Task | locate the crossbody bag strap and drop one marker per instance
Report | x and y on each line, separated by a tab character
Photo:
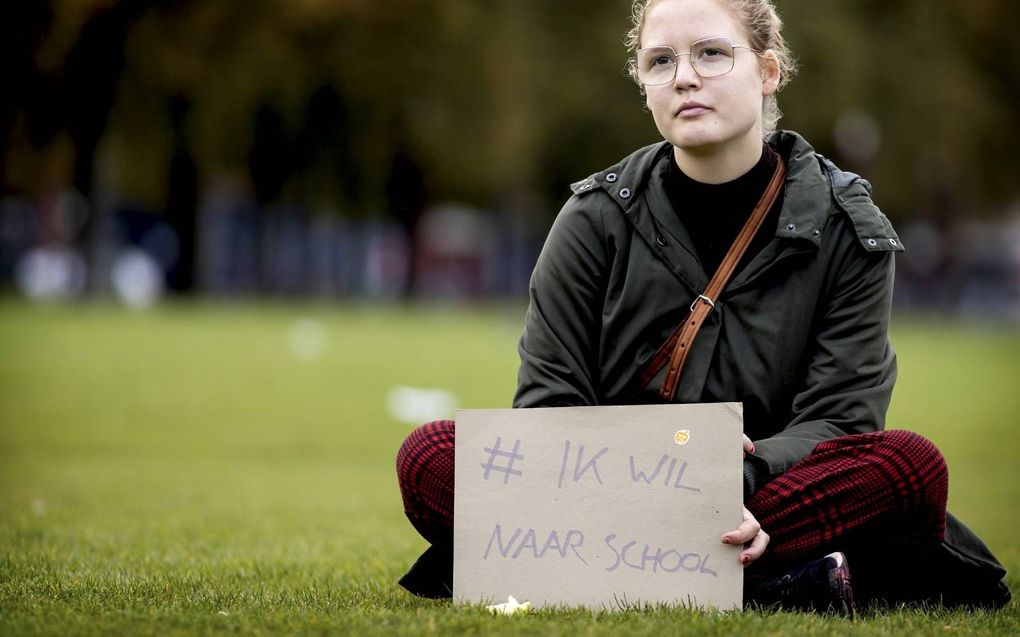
678	345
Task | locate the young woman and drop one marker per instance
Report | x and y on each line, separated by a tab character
794	327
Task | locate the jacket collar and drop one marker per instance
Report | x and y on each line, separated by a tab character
632	181
636	185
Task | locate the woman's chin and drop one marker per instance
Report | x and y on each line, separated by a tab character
696	144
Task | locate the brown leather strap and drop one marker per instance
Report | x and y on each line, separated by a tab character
678	345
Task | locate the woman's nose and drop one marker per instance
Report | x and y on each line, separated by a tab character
686	76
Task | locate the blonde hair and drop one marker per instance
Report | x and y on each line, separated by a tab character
764	29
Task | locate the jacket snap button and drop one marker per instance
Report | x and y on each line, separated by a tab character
611	177
872	242
816	232
893	241
791	226
625	192
660	240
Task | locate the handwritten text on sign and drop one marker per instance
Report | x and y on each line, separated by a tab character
598	506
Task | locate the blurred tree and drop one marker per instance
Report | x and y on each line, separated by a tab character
936	78
182	198
324	163
495	99
28	92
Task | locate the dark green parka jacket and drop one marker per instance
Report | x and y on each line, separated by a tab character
799	335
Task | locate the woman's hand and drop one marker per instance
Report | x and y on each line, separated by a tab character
748	445
750	534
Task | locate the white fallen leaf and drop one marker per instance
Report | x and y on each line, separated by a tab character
510	607
415	405
307	339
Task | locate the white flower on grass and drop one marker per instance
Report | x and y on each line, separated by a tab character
510	607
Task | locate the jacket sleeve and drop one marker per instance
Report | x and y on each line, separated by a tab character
850	366
559	345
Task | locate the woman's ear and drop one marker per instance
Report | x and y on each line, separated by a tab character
770	72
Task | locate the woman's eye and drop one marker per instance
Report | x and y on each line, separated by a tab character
662	60
710	53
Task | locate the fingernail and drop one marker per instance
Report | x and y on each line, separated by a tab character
744	559
727	539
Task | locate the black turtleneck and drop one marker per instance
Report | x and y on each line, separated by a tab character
713	214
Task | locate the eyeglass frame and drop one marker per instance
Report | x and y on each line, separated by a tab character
690	60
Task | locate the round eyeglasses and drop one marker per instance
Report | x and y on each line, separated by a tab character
710	57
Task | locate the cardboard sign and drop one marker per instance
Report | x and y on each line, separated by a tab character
604	507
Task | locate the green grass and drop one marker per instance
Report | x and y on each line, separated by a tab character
179	471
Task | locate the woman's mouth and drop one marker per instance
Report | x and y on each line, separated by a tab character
691	109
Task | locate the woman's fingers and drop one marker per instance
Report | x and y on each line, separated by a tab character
755	549
748	445
749	534
743	533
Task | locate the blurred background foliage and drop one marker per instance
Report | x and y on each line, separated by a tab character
347	106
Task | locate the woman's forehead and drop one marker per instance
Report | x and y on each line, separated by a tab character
681	22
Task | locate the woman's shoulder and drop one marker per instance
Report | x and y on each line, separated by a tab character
627	177
601	202
820	192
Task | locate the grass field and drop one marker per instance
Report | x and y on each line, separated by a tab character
181	471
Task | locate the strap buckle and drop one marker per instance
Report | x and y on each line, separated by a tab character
702	297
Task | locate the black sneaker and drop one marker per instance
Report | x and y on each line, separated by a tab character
822	586
432	575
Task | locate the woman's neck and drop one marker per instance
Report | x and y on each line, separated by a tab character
718	165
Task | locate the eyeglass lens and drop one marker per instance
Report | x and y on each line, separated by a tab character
710	58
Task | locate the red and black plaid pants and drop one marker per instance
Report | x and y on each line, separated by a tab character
853	490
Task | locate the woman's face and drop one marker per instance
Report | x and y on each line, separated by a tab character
706	114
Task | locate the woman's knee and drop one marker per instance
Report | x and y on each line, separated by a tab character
426	449
425	467
918	449
920	465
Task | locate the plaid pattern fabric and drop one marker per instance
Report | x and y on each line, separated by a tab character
425	474
889	484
